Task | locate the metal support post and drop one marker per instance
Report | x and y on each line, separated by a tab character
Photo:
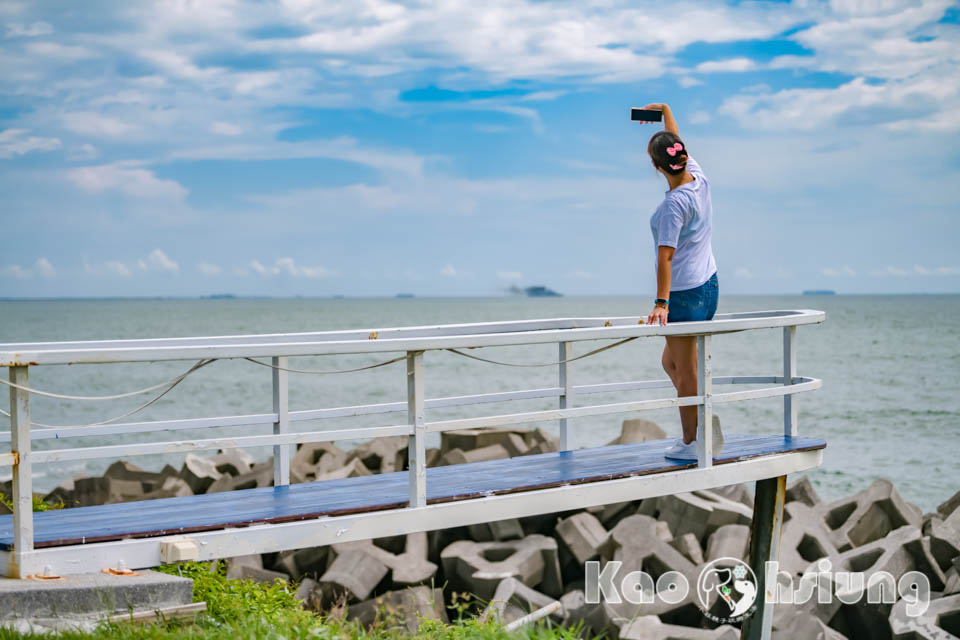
281	406
22	472
790	427
416	418
705	409
566	393
764	547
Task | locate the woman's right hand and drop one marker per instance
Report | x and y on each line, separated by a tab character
658	316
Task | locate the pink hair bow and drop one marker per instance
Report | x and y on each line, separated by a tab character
676	167
672	151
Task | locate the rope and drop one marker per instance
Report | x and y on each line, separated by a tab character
325	373
546	364
199	365
60	396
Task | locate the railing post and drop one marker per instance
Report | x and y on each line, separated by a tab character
790	427
22	472
705	409
566	393
416	418
281	406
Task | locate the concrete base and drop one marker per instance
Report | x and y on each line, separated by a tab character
90	595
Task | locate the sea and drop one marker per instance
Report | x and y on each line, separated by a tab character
890	365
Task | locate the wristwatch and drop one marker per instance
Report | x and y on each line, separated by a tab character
660	302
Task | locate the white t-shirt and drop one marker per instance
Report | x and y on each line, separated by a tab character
684	220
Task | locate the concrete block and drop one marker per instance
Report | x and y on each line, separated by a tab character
737	492
404	609
122	470
94	491
610	514
583	535
459	456
95	593
941	621
951	581
297	563
869	515
689	546
549	446
926	563
512	600
380	454
634	542
317	458
481	566
649	627
944	542
199	473
171	488
801	490
806	626
663	532
410	567
235	565
469	439
804	539
729	541
700	513
353	574
352	469
536	436
309	594
949	506
233	461
638	430
509	529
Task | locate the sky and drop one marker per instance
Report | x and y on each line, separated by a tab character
370	147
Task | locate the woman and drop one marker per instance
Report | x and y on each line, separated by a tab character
687	285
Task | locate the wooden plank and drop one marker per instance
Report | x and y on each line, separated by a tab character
377	492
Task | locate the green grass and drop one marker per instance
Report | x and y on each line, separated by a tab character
247	609
38	503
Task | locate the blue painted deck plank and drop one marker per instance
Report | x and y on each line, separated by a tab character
370	493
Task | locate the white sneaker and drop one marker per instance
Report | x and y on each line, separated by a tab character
681	451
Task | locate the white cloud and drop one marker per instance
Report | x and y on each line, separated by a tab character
729	65
509	275
699	117
90	123
208	269
743	272
16	142
29	30
688	81
15	271
582	274
61	52
157	260
134	181
288	266
917	270
844	271
43	267
450	271
225	129
116	268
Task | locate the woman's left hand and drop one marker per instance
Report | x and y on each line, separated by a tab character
658	316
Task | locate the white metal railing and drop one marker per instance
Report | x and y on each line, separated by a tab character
413	341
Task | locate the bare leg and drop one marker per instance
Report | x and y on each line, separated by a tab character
682	351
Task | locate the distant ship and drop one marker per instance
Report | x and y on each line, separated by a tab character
404	295
537	291
819	292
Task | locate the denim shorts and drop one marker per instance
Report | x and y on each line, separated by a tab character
699	303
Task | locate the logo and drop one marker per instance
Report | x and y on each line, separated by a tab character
734	583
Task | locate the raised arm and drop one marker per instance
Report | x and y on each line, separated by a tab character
669	123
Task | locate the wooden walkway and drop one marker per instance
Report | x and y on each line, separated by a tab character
376	492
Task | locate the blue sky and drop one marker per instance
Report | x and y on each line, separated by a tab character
373	147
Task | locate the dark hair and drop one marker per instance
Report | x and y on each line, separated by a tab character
657	148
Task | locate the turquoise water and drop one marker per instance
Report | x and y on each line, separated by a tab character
890	405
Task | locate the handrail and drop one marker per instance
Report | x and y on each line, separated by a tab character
412	342
388	340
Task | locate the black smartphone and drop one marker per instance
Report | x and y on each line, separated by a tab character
646	115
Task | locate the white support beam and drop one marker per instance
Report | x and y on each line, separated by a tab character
281	407
20	447
416	441
790	427
705	409
566	396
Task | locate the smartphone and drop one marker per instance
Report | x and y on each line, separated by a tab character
646	115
